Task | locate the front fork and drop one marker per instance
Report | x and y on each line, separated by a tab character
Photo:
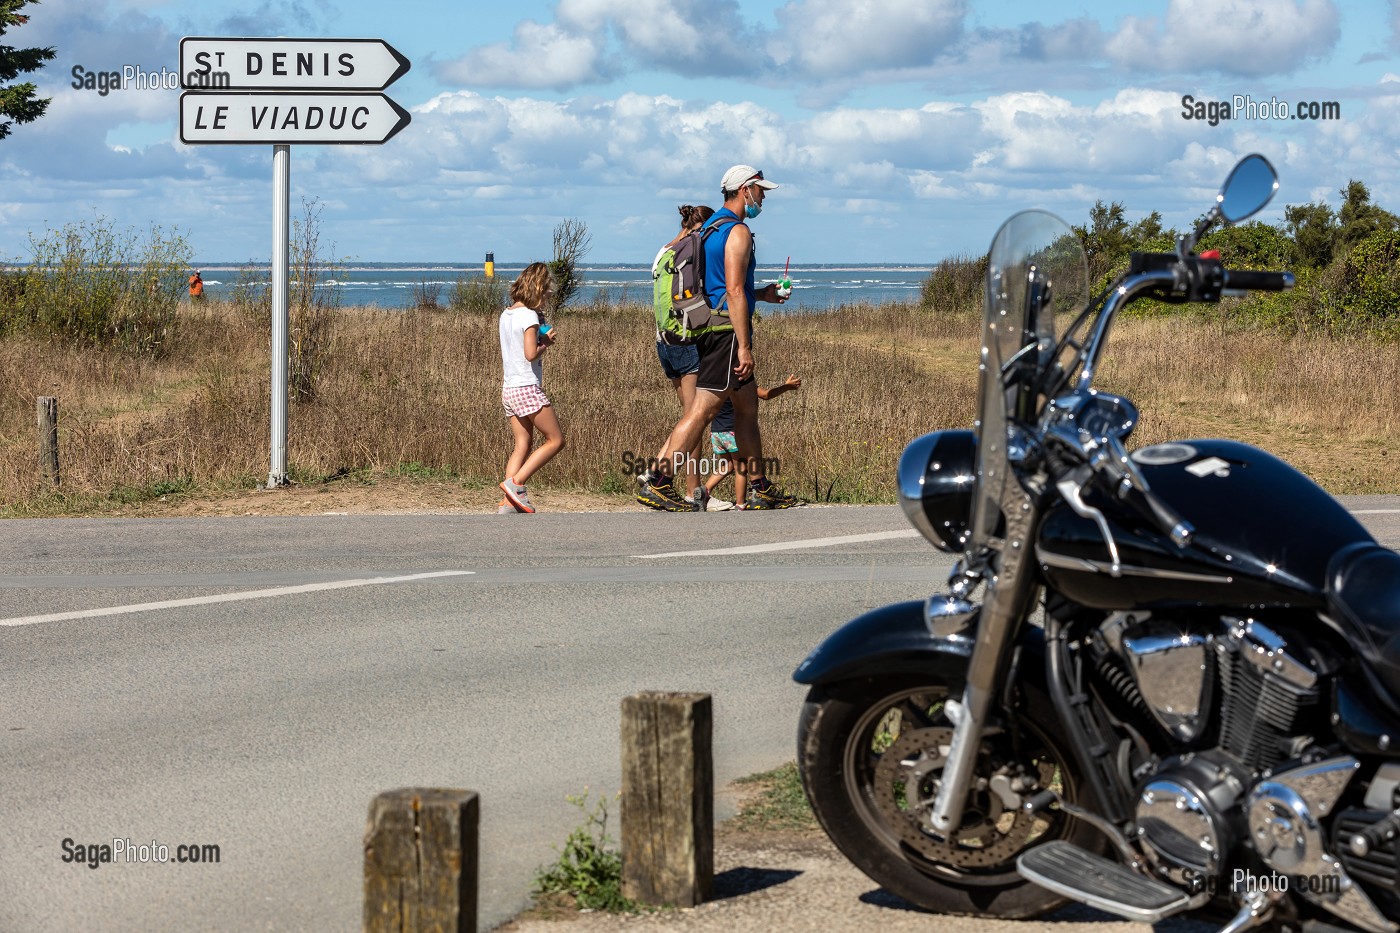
1008	603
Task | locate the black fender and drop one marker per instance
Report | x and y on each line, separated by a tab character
892	639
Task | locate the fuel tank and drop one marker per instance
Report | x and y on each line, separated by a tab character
1264	534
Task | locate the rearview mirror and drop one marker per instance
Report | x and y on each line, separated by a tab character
1251	185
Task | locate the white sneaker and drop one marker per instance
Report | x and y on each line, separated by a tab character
718	505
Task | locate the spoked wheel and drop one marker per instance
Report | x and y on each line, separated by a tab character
872	754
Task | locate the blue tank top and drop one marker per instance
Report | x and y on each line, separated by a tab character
714	262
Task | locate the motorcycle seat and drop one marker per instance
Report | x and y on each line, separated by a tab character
1363	592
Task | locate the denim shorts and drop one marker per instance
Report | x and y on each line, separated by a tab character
678	361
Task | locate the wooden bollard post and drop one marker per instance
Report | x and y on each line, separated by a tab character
421	861
668	808
48	438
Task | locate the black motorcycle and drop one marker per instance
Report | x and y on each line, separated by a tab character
1160	682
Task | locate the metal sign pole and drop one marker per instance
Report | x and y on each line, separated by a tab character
281	223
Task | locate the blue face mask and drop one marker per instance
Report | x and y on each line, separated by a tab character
752	210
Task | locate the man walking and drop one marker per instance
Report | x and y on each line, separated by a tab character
726	351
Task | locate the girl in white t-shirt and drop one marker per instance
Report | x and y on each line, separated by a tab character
522	396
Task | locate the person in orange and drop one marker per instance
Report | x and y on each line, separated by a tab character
196	287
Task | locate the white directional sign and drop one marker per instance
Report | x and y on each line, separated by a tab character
289	64
252	117
285	91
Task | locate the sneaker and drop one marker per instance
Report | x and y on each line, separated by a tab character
505	508
701	498
517	496
718	505
770	497
663	497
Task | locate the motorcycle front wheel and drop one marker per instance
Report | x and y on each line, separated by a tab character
871	752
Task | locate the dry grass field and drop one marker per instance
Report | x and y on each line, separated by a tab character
415	395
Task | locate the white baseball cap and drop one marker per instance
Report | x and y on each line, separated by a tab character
740	175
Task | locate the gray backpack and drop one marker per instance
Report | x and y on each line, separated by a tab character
683	310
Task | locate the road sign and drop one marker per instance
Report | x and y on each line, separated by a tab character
208	63
254	117
285	91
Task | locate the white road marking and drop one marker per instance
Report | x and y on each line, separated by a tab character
228	597
852	539
784	545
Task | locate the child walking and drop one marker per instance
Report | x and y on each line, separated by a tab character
726	450
522	392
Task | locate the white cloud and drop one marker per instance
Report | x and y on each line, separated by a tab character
827	49
1006	149
1016	117
931	135
539	56
635	139
1074	40
575	49
839	38
674	35
1242	37
930	185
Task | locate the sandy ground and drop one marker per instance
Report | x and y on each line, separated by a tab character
794	882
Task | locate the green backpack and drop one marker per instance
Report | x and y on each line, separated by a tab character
683	310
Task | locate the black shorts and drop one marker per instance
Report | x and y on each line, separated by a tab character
719	354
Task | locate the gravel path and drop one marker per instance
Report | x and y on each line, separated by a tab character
794	882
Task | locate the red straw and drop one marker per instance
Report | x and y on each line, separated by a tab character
785	266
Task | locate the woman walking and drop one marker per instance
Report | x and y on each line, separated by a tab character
680	360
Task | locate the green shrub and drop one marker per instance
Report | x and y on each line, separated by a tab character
954	286
1371	278
589	869
475	294
1253	245
94	285
571	243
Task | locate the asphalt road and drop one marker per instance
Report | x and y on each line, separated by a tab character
253	683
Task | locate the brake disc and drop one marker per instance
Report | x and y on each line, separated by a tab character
906	783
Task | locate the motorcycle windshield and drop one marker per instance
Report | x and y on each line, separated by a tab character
1035	269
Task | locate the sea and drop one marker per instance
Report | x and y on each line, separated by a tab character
817	287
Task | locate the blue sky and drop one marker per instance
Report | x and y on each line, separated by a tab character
900	130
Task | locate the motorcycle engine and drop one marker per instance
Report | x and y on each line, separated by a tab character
1183	816
1190	808
1264	692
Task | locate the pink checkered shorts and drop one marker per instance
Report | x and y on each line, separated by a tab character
523	401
